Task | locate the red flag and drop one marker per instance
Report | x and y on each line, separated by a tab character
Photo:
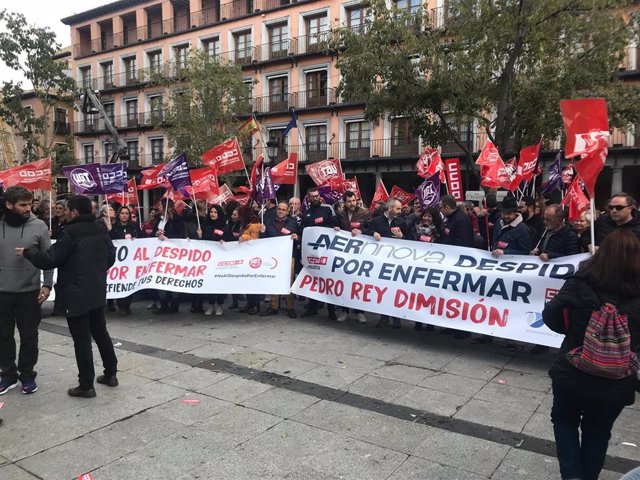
151	178
429	162
32	176
130	197
513	170
528	161
227	157
489	155
496	175
585	119
404	197
224	196
454	178
576	199
341	186
380	195
321	172
286	172
592	163
204	183
254	171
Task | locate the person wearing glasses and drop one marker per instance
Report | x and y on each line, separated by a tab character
59	220
622	213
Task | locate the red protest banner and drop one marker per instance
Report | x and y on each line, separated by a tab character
585	119
404	197
226	157
286	172
454	178
380	195
323	171
32	176
151	178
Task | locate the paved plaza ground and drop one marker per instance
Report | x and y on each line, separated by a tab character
245	397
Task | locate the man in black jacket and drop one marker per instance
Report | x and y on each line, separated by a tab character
317	215
527	208
622	214
458	229
280	225
511	236
83	254
388	225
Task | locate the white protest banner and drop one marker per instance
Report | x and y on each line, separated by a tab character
256	266
461	288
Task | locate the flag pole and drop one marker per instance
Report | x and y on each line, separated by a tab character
50	209
592	205
135	188
195	206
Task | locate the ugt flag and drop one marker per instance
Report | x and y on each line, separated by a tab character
177	172
428	192
112	176
84	179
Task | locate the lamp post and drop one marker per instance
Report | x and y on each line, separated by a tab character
272	149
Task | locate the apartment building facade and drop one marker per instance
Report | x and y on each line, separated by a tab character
287	63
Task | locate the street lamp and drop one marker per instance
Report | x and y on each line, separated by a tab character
272	149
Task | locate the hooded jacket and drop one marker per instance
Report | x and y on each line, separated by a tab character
580	299
18	275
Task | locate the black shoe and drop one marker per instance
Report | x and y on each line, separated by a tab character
418	327
291	313
309	313
461	335
332	315
383	322
268	312
253	311
482	340
108	380
538	350
81	392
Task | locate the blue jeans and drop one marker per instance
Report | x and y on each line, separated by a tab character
581	458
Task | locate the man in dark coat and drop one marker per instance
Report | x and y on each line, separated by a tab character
83	254
622	214
527	208
458	229
511	236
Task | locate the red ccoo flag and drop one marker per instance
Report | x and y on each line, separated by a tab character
576	199
380	195
286	172
226	157
32	176
404	197
592	163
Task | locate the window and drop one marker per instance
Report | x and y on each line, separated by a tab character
132	151
130	69
110	109
108	148
402	141
278	94
357	140
316	141
155	62
180	54
107	74
356	18
131	109
155	108
157	150
276	135
60	125
243	47
211	47
278	41
412	7
316	84
85	77
317	28
87	151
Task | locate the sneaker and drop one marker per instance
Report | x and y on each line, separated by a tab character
6	385
267	299
361	318
29	386
152	306
217	310
342	316
291	313
108	380
81	392
209	311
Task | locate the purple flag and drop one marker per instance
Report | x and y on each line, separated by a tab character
264	185
428	192
113	177
177	173
329	195
555	176
85	179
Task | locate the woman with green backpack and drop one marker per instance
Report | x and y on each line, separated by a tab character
595	374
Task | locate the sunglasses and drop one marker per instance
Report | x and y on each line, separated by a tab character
617	207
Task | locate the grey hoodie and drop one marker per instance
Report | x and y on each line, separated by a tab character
17	274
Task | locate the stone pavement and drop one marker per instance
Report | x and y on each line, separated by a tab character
237	397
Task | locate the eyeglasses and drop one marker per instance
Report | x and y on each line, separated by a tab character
618	207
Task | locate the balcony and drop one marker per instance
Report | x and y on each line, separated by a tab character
61	128
279	102
313	43
404	147
137	120
320	97
235	9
